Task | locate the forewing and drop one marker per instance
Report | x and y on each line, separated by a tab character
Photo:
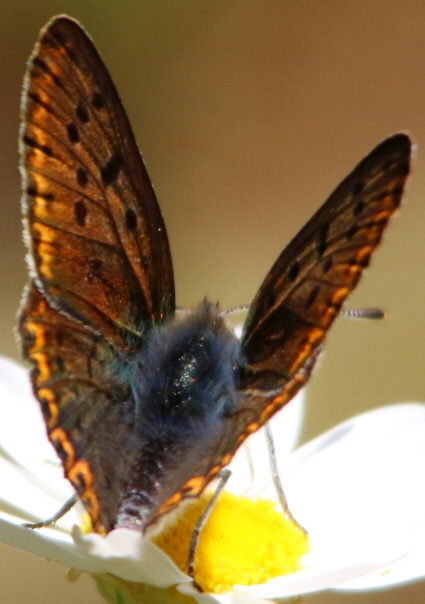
98	248
84	405
306	287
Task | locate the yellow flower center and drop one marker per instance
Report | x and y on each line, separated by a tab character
244	542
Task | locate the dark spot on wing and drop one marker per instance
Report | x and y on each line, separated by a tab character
95	269
82	177
45	409
364	262
81	484
97	100
294	271
60	364
34	97
327	265
46	69
396	195
28	338
41	64
130	219
358	208
352	231
63	455
382	196
31	142
95	265
312	296
269	300
81	112
322	243
73	134
65	46
382	222
80	212
32	192
110	171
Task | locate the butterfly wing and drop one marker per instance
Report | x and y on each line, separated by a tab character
301	296
84	405
99	260
307	285
98	248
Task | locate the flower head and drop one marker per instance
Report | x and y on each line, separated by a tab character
355	488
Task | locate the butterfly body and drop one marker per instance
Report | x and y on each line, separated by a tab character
183	385
144	406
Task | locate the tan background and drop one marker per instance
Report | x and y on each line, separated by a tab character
248	114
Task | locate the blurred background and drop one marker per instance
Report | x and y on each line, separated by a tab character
248	114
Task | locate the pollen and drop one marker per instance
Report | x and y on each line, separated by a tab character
86	525
244	542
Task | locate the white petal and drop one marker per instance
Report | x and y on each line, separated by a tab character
306	581
127	554
32	478
232	597
49	544
25	496
22	429
359	492
407	568
364	474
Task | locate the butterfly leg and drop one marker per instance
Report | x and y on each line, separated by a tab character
224	476
61	512
248	451
276	478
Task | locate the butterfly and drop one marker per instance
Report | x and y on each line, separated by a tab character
145	405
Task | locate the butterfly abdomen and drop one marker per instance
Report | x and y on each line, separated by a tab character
186	383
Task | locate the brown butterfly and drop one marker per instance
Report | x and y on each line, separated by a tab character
145	407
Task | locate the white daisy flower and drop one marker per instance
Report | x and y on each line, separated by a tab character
357	489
